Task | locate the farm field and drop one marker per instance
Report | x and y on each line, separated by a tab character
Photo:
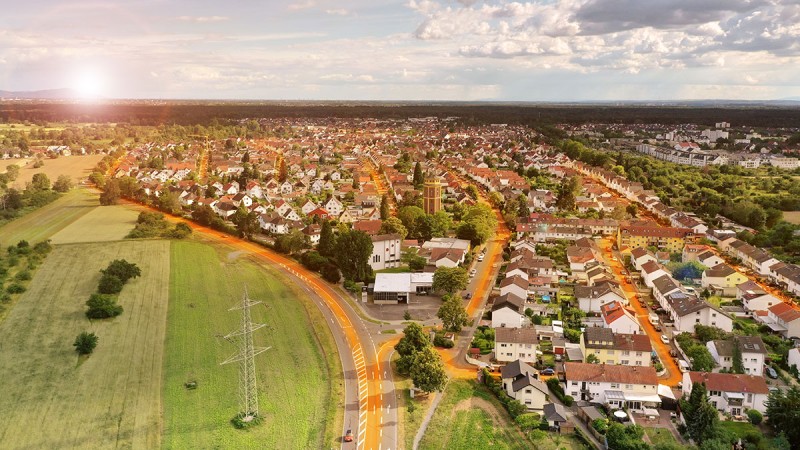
43	223
76	167
104	223
112	399
792	216
298	378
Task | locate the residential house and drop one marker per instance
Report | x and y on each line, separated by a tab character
619	319
516	285
521	382
615	348
751	348
687	311
652	270
639	256
508	311
313	232
591	298
385	251
754	298
730	393
784	320
722	279
616	386
308	206
555	415
515	344
665	238
334	207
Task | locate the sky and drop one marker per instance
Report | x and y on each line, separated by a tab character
471	50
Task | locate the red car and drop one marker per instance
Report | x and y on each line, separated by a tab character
348	437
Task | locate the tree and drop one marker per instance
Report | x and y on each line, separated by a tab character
423	227
701	417
85	343
327	240
419	177
40	182
353	249
246	221
472	191
593	359
413	341
102	306
169	202
754	416
109	284
62	184
450	280
414	261
452	312
705	333
283	171
783	413
408	215
385	211
442	222
737	366
291	242
111	193
427	370
568	192
701	358
123	270
393	225
621	437
12	172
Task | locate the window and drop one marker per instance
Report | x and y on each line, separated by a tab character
574	383
714	315
611	352
628	386
527	391
503	345
696	320
626	353
749	397
614	385
625	362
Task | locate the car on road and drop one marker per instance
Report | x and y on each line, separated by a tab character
468	296
771	372
664	339
473	272
548	371
480	257
348	437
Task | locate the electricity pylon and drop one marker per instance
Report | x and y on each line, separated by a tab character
245	356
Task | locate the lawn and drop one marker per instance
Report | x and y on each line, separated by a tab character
104	223
740	429
457	424
660	436
112	399
41	224
401	269
299	378
76	167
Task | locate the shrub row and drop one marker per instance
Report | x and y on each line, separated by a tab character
558	391
103	304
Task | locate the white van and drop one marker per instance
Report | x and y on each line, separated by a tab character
683	365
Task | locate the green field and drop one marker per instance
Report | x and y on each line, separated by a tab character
298	378
459	425
104	223
43	223
51	398
660	436
76	167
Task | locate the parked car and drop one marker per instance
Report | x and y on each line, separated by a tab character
548	371
468	296
480	257
664	339
473	272
348	437
771	372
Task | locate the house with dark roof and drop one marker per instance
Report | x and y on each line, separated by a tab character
515	285
687	310
722	280
555	415
616	348
730	393
751	348
521	382
508	311
591	298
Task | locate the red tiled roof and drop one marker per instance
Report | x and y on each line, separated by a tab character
610	373
730	382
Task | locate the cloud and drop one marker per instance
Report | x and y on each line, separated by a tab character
203	19
299	6
337	12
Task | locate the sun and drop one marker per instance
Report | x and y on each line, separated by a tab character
88	83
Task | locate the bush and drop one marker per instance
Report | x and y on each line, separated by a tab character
601	425
331	273
109	284
313	261
181	231
23	276
568	400
85	343
352	286
441	341
122	269
15	288
515	408
754	416
102	306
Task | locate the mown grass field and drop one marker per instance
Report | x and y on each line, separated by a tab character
51	398
295	377
104	223
660	436
43	223
76	167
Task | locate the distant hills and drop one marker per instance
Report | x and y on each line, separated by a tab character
46	94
